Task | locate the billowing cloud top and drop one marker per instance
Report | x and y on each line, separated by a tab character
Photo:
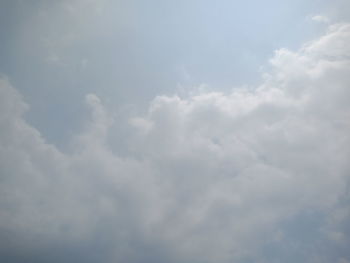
256	175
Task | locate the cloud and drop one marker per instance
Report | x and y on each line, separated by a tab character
320	19
253	175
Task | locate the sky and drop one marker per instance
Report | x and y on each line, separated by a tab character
174	131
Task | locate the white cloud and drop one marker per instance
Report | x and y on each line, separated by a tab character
212	177
320	19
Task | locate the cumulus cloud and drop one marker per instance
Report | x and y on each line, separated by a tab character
256	175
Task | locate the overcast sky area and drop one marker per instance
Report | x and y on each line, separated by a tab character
175	131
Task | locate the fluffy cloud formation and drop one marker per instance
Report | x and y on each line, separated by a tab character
257	175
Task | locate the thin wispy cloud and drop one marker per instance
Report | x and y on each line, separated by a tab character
321	19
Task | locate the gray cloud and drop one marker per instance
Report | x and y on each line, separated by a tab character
255	175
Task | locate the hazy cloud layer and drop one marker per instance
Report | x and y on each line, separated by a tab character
256	175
